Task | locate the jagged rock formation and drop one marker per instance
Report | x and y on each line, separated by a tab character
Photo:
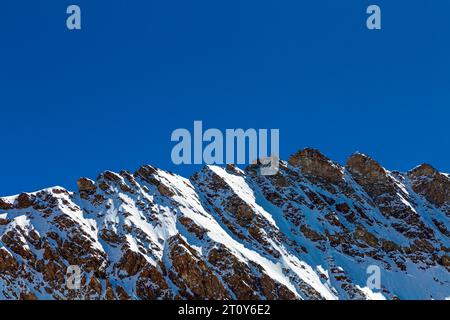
308	232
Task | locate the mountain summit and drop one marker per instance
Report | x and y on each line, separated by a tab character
312	231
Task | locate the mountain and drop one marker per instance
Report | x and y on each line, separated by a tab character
312	231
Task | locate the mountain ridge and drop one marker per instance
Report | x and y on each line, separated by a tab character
308	232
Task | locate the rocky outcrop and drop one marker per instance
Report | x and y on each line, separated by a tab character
314	165
431	184
4	205
23	201
86	187
369	174
192	275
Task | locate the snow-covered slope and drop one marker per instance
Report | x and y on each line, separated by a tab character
309	232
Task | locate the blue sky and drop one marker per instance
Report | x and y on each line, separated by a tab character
108	97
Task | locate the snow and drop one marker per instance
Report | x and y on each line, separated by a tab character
370	294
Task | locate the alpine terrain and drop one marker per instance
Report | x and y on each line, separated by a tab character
315	230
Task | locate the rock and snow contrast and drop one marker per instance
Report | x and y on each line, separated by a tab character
309	232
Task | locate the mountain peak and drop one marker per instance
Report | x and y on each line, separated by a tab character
362	166
431	184
313	164
86	185
370	175
363	162
422	170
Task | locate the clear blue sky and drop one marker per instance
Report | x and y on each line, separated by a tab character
108	97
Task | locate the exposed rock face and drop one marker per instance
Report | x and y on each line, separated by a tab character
86	187
369	174
192	275
431	184
315	165
308	232
4	205
7	262
23	201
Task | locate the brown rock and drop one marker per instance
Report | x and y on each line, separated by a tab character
145	171
86	187
445	261
192	227
23	201
369	174
275	291
389	246
109	294
279	180
343	207
152	285
28	296
95	286
165	191
366	236
431	184
7	263
314	164
111	176
189	271
14	242
111	236
311	234
5	205
122	293
243	213
132	262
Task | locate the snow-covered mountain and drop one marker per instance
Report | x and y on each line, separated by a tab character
309	232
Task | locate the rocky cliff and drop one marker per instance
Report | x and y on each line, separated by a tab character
309	232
